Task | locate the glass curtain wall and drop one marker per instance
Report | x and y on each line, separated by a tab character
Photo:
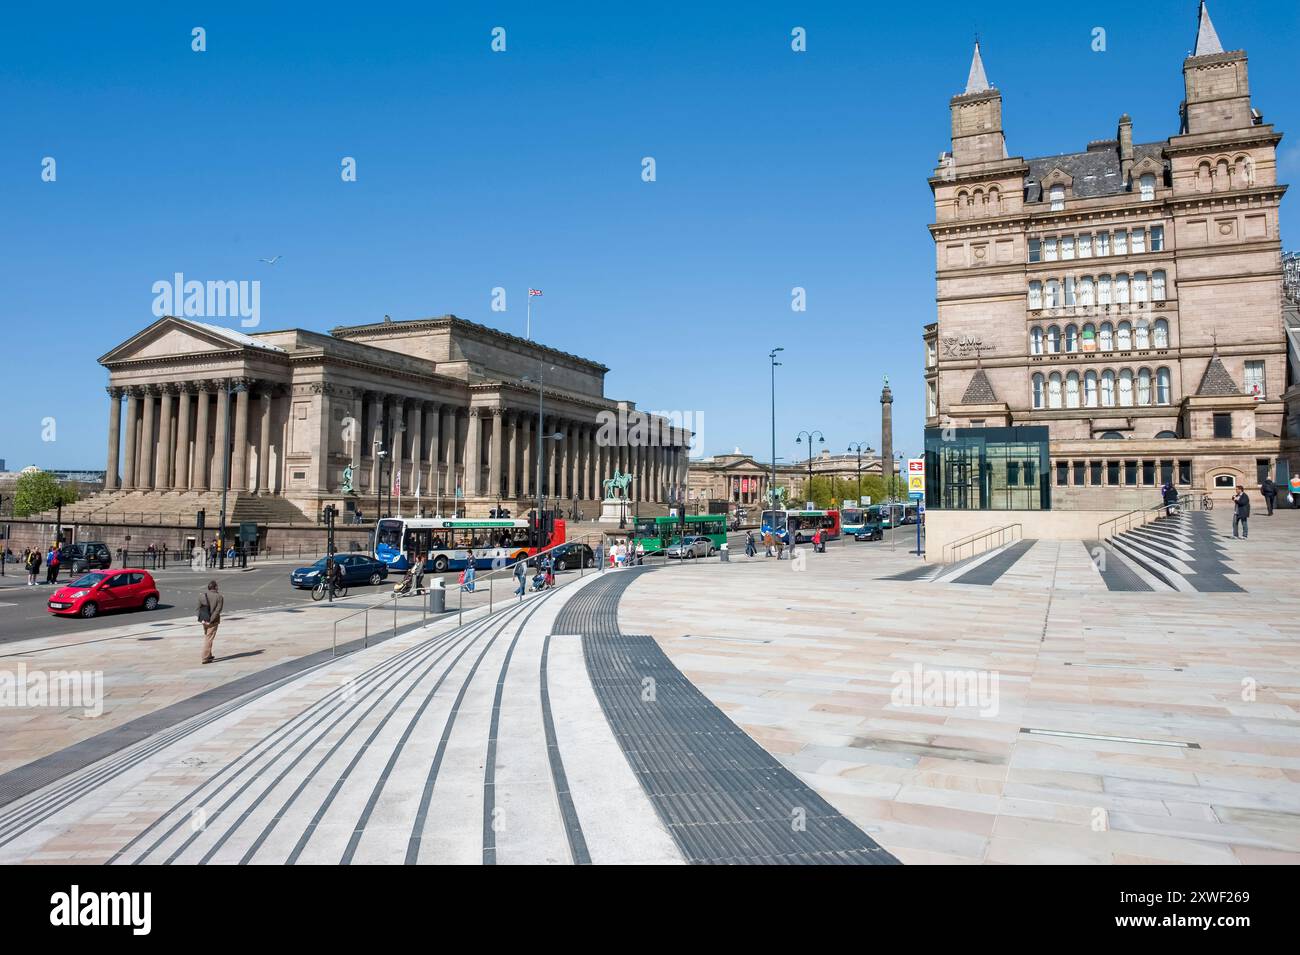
987	469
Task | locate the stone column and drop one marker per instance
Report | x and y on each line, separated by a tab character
415	434
474	454
182	453
239	458
496	451
220	464
264	443
450	427
527	462
163	453
579	461
322	479
512	455
128	453
432	429
376	437
144	470
114	436
550	453
199	478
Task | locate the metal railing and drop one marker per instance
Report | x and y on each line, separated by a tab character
952	552
1143	515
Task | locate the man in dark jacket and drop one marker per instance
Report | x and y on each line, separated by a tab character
1269	490
1240	512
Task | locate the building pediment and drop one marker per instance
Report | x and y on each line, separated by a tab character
171	336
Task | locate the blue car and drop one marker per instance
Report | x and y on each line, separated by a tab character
357	569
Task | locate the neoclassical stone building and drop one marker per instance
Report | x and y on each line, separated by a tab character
443	405
1127	296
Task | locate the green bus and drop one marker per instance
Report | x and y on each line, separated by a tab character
657	533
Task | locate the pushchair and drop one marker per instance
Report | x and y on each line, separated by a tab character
404	586
539	581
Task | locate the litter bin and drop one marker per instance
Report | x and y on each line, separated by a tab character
724	554
437	596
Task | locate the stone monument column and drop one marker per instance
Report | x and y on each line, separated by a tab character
887	434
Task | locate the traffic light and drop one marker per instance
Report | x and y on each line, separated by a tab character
201	519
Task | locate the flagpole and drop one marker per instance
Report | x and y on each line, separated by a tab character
528	328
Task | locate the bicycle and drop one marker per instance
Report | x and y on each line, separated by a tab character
1207	502
318	592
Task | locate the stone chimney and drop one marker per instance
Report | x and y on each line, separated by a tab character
1125	137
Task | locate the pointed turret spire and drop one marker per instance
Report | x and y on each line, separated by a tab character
1207	40
977	82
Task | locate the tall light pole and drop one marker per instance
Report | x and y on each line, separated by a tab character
799	440
557	436
859	447
771	491
232	388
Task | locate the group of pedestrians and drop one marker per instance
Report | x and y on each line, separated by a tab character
32	561
773	544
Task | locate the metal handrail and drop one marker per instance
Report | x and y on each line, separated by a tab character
1184	500
979	535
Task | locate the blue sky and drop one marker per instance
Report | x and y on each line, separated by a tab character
477	169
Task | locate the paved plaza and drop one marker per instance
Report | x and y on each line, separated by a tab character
740	711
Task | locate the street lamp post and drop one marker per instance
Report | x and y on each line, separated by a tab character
771	491
232	389
859	447
799	440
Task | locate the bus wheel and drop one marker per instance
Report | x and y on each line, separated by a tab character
440	564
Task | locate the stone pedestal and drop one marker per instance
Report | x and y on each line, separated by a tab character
611	509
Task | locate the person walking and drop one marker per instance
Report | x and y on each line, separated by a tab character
468	582
640	553
52	566
33	566
780	546
1240	512
521	575
209	613
1269	490
600	554
817	541
750	549
1169	495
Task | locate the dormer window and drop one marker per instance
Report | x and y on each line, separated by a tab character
1147	184
1057	196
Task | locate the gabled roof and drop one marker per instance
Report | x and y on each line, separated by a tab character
1216	382
171	335
1094	172
977	82
980	390
1207	39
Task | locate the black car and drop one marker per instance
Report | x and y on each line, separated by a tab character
568	555
77	558
357	569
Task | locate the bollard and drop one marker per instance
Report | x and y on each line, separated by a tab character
724	555
437	597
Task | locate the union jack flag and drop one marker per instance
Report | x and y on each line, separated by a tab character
534	291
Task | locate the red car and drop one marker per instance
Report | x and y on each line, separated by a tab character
93	593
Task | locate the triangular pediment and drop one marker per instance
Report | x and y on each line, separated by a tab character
170	336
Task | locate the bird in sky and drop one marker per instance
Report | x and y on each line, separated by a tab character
271	261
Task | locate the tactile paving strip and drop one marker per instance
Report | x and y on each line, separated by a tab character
723	798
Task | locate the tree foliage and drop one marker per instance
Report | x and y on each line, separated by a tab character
38	491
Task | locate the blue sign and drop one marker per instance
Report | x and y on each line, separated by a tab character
916	495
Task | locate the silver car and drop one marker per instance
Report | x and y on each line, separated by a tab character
691	547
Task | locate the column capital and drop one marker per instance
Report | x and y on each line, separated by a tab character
473	411
498	412
168	388
115	391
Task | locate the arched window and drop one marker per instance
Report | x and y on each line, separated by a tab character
1158	285
1121	289
1144	386
1103	290
1057	196
1071	338
1106	340
1053	339
1124	341
1245	171
1090	389
1035	295
1054	391
1140	287
1163	435
1089	340
1072	390
1038	391
1036	341
1112	436
1053	293
1161	335
1162	386
1108	389
1223	179
1148	186
1142	335
1126	388
1085	291
1203	183
994	200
